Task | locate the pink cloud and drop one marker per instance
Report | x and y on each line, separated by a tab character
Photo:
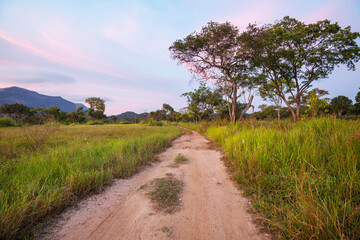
65	55
4	62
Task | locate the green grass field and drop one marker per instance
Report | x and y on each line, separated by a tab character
45	168
303	178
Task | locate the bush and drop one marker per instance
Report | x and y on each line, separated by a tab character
95	123
152	122
350	117
7	122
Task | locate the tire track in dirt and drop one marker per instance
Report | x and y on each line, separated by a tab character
212	207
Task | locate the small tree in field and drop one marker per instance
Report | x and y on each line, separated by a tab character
203	101
340	105
315	103
97	107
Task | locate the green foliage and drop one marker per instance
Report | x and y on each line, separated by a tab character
151	122
315	103
214	53
292	54
340	105
167	113
7	122
95	122
76	161
33	116
356	107
304	178
97	107
15	111
170	113
77	116
204	102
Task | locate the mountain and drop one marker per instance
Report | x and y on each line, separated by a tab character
33	99
127	115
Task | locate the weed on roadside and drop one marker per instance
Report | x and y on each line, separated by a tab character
167	230
180	159
165	193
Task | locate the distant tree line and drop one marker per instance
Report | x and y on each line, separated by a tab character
24	115
206	104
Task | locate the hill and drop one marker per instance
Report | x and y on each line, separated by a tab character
33	99
127	115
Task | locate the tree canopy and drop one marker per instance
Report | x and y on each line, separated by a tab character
340	105
292	54
214	54
97	107
203	101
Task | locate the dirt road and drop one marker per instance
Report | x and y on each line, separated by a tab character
212	207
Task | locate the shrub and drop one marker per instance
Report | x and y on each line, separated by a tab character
7	122
95	122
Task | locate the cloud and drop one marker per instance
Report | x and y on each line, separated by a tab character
124	28
24	75
54	51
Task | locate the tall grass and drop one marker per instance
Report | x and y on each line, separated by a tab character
74	161
304	178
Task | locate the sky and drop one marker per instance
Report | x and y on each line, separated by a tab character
118	50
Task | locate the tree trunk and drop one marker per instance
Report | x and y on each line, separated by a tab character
290	108
234	98
229	108
278	111
247	107
298	105
340	112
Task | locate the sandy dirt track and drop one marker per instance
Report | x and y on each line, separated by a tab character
212	207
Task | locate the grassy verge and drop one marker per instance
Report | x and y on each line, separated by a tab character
304	178
71	162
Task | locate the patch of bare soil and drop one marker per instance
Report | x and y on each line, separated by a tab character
211	206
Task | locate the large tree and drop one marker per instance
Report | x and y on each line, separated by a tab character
293	55
213	55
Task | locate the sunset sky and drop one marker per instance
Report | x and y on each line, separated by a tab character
118	50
